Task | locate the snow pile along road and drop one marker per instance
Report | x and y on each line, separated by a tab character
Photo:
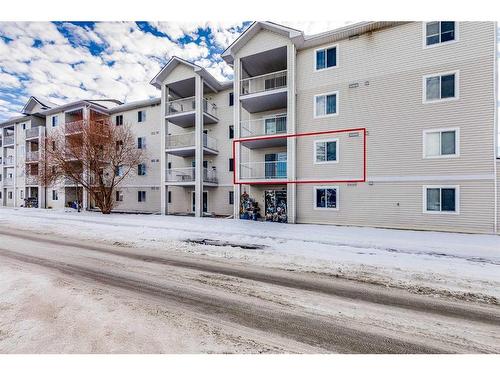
458	265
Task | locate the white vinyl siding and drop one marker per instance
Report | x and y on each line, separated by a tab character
326	197
326	104
441	199
440	87
441	143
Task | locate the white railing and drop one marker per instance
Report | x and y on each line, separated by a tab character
8	160
33	132
188	174
31	180
8	182
69	181
265	82
183	105
188	140
73	127
264	126
8	140
263	170
32	156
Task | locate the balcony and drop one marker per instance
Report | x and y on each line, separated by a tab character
33	133
31	180
272	128
265	92
8	141
186	176
74	127
8	182
182	112
264	171
184	144
8	161
32	156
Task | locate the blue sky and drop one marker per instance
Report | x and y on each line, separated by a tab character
65	61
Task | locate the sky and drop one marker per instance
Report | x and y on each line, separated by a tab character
67	61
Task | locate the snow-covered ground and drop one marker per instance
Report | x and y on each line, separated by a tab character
460	265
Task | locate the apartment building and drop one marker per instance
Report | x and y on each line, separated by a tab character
384	124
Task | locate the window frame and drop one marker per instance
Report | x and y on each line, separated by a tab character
440	74
118	123
56	122
336	46
138	196
142	115
337	153
441	130
440	212
119	196
315	206
336	93
141	167
424	35
55	195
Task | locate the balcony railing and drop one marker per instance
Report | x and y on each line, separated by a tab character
33	132
8	140
189	175
264	126
265	170
8	182
8	160
183	105
31	180
265	82
73	127
32	156
188	140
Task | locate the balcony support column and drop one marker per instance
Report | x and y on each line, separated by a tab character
86	177
291	141
198	185
163	156
237	135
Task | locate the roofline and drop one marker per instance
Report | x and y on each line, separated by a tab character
15	120
134	105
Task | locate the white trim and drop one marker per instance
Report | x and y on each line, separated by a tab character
336	140
315	207
336	93
336	46
441	130
424	35
479	177
495	128
440	74
457	199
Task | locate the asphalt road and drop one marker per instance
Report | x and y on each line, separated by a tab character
297	312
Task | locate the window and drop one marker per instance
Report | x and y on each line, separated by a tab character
441	143
53	145
325	151
141	116
55	196
141	169
231	165
231	131
325	197
119	120
325	104
24	126
141	196
119	171
169	197
119	196
55	121
9	195
141	142
21	194
275	125
169	165
441	199
443	86
439	32
119	145
231	99
231	197
326	58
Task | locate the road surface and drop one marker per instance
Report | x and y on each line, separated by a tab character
61	296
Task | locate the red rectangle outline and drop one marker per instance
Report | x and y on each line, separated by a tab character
242	140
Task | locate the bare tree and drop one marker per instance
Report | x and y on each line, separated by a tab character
94	154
